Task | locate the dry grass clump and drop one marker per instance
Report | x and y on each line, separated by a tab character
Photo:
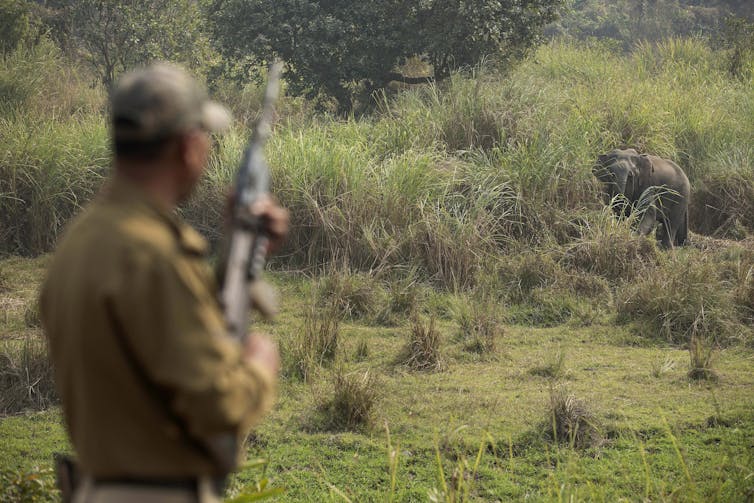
571	421
316	344
723	205
26	376
353	295
521	274
350	405
404	296
610	249
480	324
701	354
673	299
423	351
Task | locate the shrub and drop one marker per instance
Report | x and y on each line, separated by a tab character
571	421
29	486
423	350
26	376
351	403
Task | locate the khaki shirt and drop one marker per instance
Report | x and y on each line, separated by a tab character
128	273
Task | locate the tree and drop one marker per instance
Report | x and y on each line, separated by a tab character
116	35
339	47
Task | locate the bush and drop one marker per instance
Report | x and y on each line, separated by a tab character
32	486
404	296
352	401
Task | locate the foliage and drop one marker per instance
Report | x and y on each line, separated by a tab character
15	24
340	49
629	21
34	486
116	36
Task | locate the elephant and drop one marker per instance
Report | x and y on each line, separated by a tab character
659	184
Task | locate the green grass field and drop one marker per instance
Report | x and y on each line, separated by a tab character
480	425
463	319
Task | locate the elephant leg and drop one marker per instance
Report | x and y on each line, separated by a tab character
648	221
682	233
667	235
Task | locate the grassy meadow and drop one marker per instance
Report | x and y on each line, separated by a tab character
462	319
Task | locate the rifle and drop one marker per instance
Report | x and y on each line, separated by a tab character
242	287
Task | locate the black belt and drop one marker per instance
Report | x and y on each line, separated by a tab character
184	483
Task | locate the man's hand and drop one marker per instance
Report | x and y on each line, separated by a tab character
275	218
263	351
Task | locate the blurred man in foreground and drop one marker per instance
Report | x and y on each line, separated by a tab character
154	393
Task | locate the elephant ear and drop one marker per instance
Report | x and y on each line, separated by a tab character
646	169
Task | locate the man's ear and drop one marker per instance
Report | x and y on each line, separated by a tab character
192	150
646	169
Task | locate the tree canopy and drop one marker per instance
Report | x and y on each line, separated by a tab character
116	35
340	47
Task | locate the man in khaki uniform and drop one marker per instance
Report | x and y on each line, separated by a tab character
155	395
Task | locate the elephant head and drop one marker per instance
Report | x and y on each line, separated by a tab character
623	172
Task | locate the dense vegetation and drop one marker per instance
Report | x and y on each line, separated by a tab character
451	272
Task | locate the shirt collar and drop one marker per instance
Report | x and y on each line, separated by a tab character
119	189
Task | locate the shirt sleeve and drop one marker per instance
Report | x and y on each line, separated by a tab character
171	319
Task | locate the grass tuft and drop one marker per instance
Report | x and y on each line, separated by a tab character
352	400
423	351
571	421
316	344
480	325
701	354
26	376
686	294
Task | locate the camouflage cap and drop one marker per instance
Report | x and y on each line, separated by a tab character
160	101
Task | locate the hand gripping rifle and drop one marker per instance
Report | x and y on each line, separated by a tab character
242	287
